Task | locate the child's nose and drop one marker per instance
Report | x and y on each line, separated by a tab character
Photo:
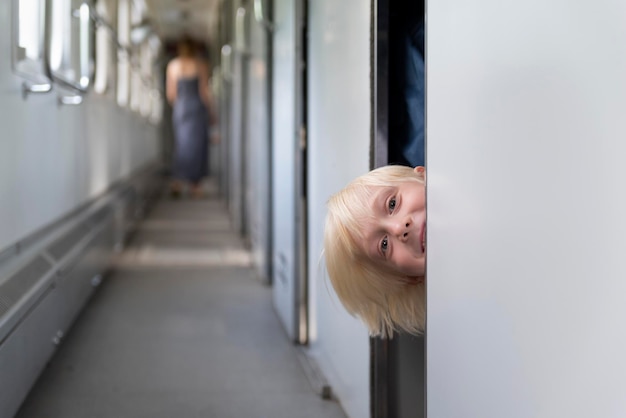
402	229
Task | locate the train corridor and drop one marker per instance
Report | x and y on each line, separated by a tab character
179	328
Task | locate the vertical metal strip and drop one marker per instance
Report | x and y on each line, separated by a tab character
380	86
302	70
379	62
270	137
379	378
243	32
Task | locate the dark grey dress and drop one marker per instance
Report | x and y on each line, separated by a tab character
191	130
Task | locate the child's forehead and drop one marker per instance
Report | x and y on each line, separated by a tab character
380	192
375	192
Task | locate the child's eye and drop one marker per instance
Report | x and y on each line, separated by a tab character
392	204
384	244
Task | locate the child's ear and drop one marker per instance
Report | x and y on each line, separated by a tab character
420	170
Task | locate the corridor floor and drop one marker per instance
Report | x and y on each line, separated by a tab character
180	328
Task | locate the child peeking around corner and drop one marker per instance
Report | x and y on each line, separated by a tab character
374	245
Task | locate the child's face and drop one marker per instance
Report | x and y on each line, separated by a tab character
395	236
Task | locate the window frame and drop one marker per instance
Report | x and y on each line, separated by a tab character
37	74
61	56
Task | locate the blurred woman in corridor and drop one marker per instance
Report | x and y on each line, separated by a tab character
187	89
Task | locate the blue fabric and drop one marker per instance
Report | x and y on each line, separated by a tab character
407	95
413	150
190	120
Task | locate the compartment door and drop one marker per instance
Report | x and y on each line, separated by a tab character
288	168
259	149
526	204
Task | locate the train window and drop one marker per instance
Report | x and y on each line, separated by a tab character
146	79
123	65
28	40
135	61
70	60
103	48
153	92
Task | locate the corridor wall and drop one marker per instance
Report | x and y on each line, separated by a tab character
53	158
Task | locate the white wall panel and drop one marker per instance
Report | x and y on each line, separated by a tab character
235	139
283	163
259	155
526	204
339	141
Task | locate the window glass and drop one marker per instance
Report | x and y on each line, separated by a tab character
28	38
103	49
71	61
135	68
123	65
85	45
153	94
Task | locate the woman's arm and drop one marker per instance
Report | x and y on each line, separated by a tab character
171	75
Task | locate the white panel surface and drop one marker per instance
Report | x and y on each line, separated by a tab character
339	142
235	139
526	203
283	163
259	156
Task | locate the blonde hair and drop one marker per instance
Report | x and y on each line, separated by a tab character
383	300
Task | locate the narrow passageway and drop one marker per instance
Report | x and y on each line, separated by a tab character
181	328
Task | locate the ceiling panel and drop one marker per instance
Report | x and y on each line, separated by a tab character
174	18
